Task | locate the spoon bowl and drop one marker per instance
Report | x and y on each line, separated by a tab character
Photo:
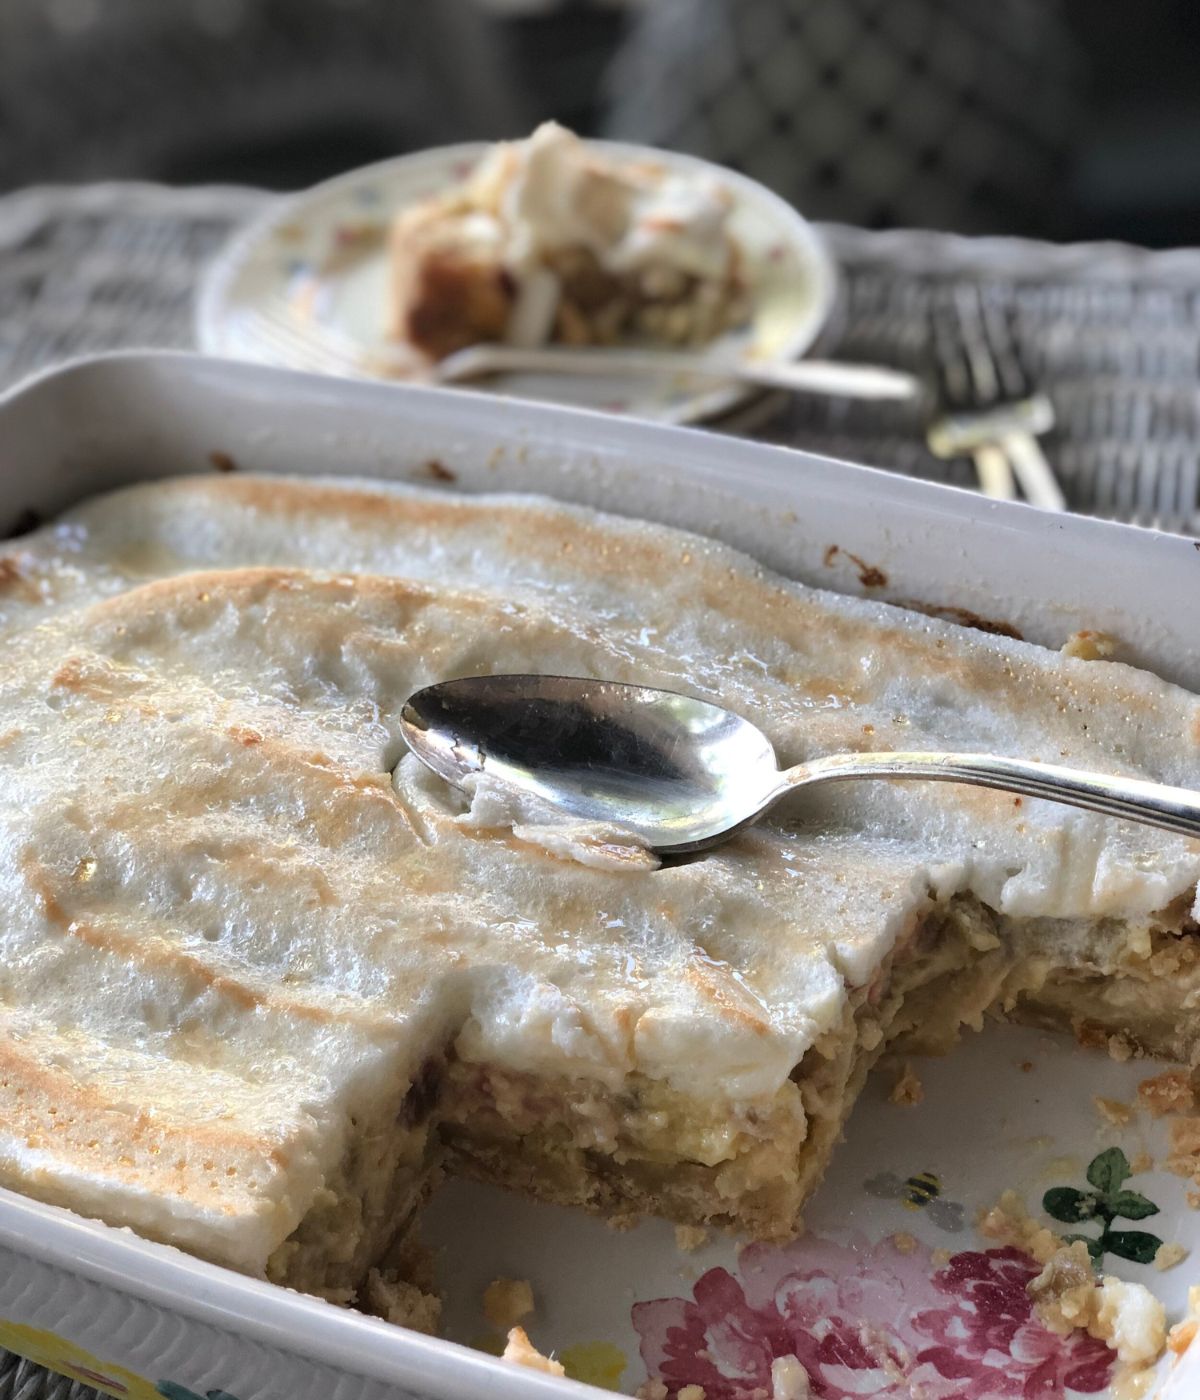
677	772
683	774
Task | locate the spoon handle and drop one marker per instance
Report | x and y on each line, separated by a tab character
805	376
1155	804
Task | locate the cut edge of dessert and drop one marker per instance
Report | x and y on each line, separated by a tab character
746	1166
551	240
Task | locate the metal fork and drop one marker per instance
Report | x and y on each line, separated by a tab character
990	409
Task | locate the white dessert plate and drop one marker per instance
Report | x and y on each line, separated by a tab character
893	1288
314	270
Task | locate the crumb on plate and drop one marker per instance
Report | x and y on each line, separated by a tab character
1169	1092
1087	645
689	1237
1181	1336
1093	1037
1143	1162
789	1379
506	1301
1130	1320
1125	1316
1184	1159
653	1389
904	1242
908	1088
1063	1293
520	1351
691	1392
1168	1255
1113	1110
1008	1222
1067	1165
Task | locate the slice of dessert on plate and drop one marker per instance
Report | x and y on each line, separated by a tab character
529	246
552	240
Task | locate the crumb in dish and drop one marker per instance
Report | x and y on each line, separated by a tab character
689	1238
907	1089
1068	1295
1171	1092
1183	1334
1113	1111
520	1351
1168	1255
507	1301
789	1379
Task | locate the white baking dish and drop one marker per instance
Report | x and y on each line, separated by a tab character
98	1302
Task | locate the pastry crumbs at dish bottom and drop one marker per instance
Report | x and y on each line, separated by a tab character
1067	1295
1169	1092
1183	1333
506	1301
1113	1111
690	1237
1184	1159
1168	1255
908	1088
520	1351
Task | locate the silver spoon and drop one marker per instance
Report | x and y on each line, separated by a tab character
683	775
803	376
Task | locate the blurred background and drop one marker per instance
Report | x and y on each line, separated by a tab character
1052	118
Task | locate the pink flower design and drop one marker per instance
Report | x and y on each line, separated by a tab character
992	1340
868	1323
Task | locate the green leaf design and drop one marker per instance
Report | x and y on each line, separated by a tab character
1067	1204
1135	1245
1106	1172
1095	1247
1109	1170
1132	1205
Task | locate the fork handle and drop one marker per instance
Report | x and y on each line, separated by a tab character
995	472
834	377
1154	804
1034	472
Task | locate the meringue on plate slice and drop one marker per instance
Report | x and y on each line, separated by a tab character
551	240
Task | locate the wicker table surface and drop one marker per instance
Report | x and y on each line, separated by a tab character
1112	334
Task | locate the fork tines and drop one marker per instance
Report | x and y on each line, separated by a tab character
991	408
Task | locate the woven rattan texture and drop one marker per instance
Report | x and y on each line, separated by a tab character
1112	334
22	1380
